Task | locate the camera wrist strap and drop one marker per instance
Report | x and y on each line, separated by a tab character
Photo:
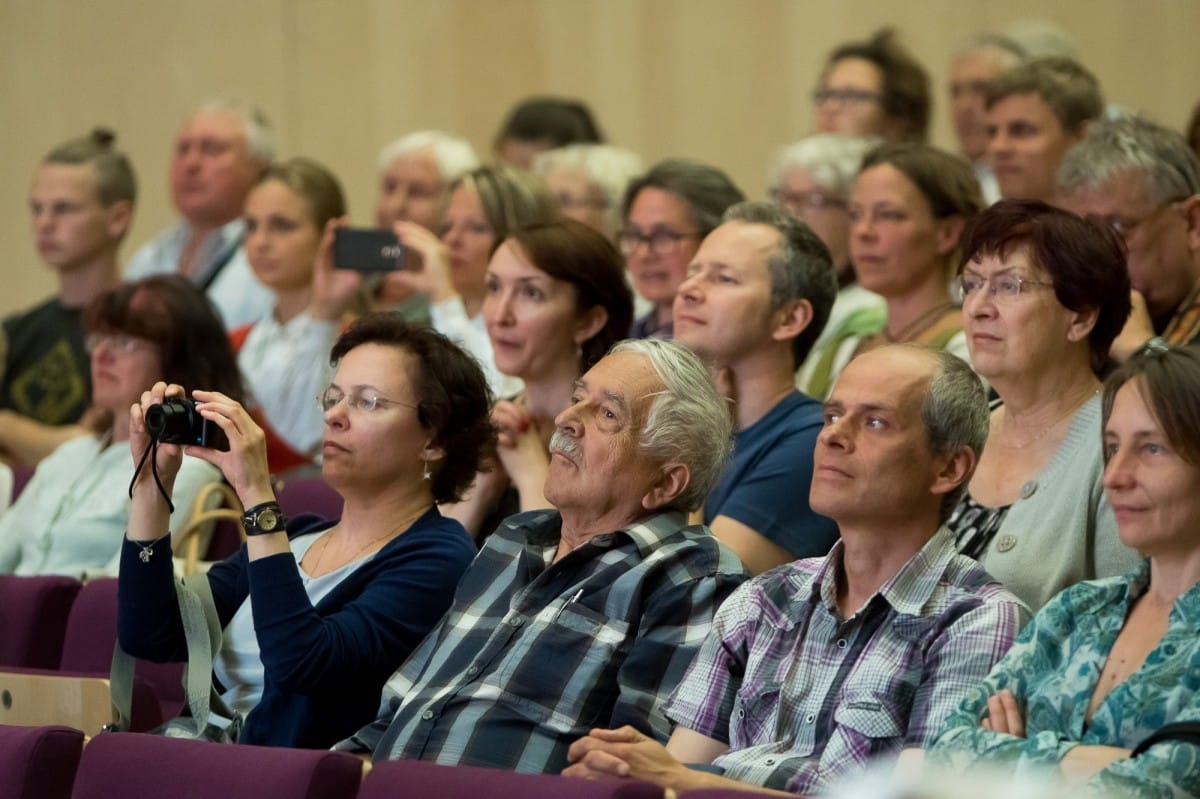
151	453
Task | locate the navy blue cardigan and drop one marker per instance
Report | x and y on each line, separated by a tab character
325	666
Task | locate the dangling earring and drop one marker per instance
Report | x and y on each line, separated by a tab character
425	474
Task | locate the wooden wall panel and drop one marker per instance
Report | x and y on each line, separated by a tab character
723	81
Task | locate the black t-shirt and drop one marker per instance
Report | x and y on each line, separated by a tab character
47	371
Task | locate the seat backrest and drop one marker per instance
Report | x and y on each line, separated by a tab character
33	619
417	778
88	648
310	495
131	764
38	762
35	699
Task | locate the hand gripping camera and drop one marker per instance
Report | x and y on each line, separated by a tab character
176	421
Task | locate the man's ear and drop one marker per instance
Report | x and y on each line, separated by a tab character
955	469
949	232
592	321
792	319
1190	208
673	479
120	217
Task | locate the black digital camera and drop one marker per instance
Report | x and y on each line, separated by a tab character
176	421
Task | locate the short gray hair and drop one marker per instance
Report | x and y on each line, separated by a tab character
955	414
689	421
454	156
1110	147
831	159
608	168
260	140
801	268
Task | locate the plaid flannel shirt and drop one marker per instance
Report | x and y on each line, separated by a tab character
804	698
533	654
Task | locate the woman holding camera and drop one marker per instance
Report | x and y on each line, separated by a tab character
71	516
317	615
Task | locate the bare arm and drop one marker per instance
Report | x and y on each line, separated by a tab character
24	441
755	550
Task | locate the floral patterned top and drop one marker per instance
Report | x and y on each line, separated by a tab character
1053	669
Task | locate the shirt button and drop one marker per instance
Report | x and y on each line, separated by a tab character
516	621
1006	543
741	714
841	643
472	670
427	715
810	718
770	761
1029	489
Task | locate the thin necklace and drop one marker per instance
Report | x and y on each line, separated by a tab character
1070	411
316	570
917	326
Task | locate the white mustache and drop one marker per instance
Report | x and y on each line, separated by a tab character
560	442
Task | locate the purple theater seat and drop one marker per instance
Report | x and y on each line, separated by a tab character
132	764
88	647
38	762
310	495
33	619
396	778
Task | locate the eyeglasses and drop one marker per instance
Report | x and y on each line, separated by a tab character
662	241
1002	287
118	343
1124	227
364	400
845	96
797	202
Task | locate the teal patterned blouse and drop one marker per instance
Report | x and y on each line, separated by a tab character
1053	669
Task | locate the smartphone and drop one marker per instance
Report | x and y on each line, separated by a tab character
367	250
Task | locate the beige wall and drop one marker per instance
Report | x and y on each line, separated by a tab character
722	80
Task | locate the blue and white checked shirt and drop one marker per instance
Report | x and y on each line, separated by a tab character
532	654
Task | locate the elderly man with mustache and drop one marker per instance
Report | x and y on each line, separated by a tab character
587	614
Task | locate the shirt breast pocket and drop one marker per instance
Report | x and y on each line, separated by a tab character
755	715
566	677
869	724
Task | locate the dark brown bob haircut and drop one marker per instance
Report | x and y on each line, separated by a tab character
1168	380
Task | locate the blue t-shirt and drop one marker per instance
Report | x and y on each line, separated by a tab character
765	484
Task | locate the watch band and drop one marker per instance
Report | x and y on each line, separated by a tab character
264	518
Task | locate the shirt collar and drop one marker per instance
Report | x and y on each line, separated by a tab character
909	589
544	529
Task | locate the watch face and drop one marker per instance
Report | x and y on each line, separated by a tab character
268	519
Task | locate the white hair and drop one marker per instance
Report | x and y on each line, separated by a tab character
260	139
454	156
831	159
608	168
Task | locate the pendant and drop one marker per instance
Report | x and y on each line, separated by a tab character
146	553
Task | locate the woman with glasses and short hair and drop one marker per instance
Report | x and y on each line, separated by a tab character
874	88
668	211
316	615
1044	295
71	516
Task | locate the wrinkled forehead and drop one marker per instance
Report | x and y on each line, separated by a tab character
626	377
225	126
894	377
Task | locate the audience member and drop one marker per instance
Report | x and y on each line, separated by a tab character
757	295
1095	686
973	68
667	212
222	149
1035	113
70	518
874	88
814	670
813	180
486	205
588	181
415	174
557	301
1143	181
1192	131
1044	294
910	205
315	615
81	203
537	124
590	613
282	357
